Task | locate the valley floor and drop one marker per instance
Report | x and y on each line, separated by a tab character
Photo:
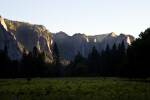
87	88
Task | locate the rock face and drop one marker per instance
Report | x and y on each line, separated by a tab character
31	35
37	35
70	45
7	39
3	23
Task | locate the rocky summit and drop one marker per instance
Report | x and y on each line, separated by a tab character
18	35
8	39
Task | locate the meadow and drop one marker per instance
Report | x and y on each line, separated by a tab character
84	88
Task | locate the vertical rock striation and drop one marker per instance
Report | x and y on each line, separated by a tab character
7	39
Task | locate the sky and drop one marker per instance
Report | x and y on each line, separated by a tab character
91	17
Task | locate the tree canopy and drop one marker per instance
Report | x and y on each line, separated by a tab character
137	63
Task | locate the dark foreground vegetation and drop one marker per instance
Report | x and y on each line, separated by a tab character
33	64
87	88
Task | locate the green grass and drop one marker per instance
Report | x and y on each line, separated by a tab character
74	89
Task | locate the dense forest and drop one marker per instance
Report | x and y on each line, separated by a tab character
117	61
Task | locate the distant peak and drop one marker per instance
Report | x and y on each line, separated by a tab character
112	34
2	22
61	34
79	34
122	35
43	27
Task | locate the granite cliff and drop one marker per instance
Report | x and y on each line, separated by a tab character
70	45
8	39
28	36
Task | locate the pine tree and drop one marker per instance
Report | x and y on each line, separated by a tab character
107	50
113	62
93	62
4	63
114	49
136	64
35	62
57	60
106	67
122	49
79	67
41	64
78	58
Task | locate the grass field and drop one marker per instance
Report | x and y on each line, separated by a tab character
74	89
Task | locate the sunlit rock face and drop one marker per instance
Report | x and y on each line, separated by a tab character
37	35
3	23
8	40
30	35
95	40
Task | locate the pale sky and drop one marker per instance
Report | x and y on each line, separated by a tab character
92	17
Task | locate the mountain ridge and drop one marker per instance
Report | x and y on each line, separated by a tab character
30	35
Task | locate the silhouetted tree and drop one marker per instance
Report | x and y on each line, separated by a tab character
33	63
78	58
79	63
106	63
93	62
41	64
5	63
69	69
137	63
57	60
113	61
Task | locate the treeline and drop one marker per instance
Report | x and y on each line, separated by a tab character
137	60
103	64
31	64
6	70
111	62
